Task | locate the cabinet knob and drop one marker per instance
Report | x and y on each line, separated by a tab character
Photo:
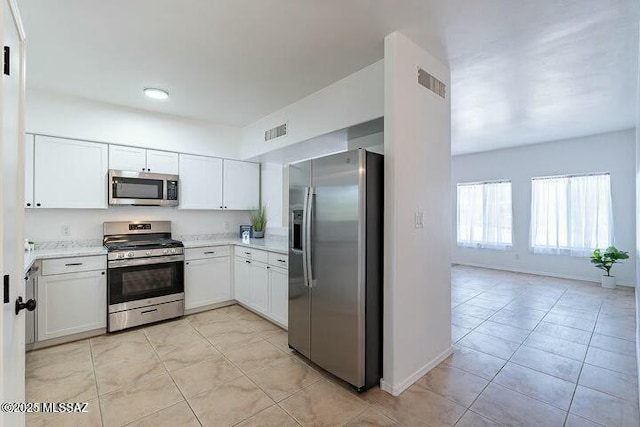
220	207
148	170
28	204
103	273
143	169
187	263
225	207
37	204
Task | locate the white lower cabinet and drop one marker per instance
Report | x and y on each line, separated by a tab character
71	303
279	295
207	281
259	279
262	286
242	282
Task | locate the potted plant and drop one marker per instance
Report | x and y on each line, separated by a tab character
604	260
259	222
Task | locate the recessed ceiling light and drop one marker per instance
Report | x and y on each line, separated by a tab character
155	93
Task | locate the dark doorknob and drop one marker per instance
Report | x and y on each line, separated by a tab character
29	305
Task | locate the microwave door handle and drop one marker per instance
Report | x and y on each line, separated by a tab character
305	210
165	184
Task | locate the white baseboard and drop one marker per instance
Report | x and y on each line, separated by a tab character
539	273
396	390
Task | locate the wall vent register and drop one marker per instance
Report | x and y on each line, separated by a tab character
276	132
433	84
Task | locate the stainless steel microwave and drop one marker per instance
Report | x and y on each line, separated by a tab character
142	188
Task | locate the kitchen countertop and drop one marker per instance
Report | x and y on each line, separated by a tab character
272	245
266	244
31	256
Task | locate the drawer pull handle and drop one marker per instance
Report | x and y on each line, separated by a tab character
148	311
209	252
281	260
247	253
71	264
248	262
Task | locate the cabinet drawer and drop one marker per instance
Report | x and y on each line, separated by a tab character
73	265
278	260
252	254
208	252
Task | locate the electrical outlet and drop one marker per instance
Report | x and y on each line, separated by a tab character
66	230
419	219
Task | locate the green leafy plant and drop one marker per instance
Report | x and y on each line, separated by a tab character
259	219
604	259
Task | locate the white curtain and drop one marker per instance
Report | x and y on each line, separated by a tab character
571	215
485	215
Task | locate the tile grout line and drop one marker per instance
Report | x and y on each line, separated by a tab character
95	379
566	418
508	360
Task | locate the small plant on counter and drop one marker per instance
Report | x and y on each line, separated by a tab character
259	221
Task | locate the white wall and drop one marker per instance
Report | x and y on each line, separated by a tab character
69	116
355	99
73	117
611	152
637	257
46	224
417	147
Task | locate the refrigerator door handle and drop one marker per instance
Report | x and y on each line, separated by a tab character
305	211
312	194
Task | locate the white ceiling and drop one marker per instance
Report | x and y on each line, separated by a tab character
522	72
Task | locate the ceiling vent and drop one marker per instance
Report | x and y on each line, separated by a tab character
431	83
276	132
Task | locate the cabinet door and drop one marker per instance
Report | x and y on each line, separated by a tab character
28	170
70	173
162	162
241	185
127	158
279	295
207	281
242	281
260	287
71	303
200	182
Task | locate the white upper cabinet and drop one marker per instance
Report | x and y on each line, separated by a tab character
200	182
162	162
127	158
28	170
241	185
70	173
142	160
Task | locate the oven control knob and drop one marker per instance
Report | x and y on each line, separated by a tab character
173	251
165	251
129	254
148	252
121	255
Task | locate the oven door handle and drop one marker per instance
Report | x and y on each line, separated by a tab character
144	261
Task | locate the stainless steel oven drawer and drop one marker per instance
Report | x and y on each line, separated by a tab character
144	315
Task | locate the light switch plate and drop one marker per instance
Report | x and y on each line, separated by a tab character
419	220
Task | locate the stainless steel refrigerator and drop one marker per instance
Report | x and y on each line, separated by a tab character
335	264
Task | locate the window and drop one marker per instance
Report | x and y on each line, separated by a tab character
571	214
484	214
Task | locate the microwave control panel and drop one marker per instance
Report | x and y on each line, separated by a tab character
172	190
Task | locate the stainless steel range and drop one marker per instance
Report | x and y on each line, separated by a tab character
145	273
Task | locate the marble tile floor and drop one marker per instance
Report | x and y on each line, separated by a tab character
529	351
